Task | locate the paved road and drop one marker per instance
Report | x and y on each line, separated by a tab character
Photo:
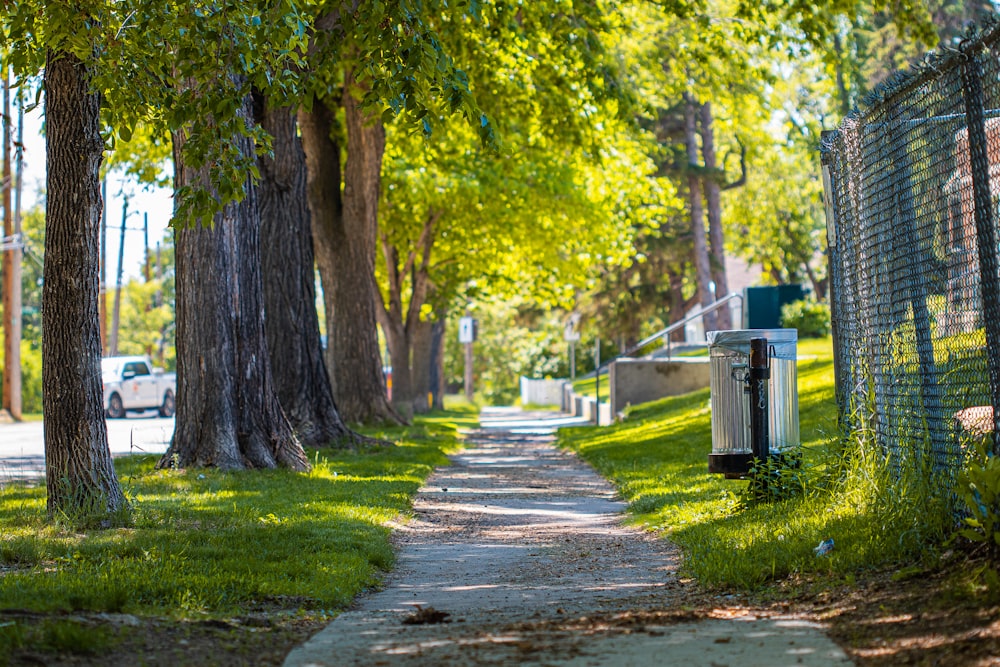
22	448
520	548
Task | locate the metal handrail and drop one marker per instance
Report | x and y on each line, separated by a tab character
676	326
715	305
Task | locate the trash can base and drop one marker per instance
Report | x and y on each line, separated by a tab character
730	463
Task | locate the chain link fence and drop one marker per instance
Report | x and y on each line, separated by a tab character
912	187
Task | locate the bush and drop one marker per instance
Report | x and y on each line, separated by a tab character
810	317
979	490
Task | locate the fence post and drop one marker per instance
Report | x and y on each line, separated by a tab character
986	241
827	138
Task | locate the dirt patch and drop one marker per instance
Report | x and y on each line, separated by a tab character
923	618
125	640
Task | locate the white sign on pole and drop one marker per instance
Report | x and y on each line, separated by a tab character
466	330
570	334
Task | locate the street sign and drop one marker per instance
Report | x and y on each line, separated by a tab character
570	334
466	330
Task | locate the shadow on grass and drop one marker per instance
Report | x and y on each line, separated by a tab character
204	541
658	459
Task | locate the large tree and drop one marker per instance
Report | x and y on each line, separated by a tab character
293	336
79	476
65	41
228	413
345	254
372	67
534	219
187	70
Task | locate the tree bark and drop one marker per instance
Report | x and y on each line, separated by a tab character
228	413
437	380
322	153
291	324
702	264
79	475
344	230
422	340
403	328
713	199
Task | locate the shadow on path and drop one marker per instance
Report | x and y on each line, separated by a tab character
516	554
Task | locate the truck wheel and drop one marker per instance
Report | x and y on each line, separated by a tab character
167	409
116	410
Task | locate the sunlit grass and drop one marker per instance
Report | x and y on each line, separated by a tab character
658	458
208	543
587	387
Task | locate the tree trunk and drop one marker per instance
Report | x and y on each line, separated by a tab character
344	231
292	327
228	414
713	199
398	341
79	475
843	96
702	264
437	382
403	330
422	340
322	153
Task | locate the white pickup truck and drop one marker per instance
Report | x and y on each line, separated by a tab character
131	383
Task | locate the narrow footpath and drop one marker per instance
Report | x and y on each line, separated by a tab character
517	555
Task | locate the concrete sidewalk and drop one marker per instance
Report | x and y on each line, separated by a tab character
516	555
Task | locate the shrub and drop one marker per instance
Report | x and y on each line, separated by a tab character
979	490
810	317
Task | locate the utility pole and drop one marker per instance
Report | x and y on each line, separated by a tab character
597	381
11	270
104	267
571	335
147	269
116	312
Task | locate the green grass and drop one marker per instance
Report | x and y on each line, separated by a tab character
587	387
658	459
205	543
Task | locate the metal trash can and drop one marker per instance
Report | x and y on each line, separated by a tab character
730	362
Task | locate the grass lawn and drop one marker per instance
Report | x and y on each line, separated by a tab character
206	544
658	459
588	386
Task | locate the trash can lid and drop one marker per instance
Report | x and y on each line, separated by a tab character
784	341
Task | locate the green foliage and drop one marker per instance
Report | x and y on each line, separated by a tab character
63	637
776	479
874	512
979	491
316	539
810	317
512	342
146	155
167	68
